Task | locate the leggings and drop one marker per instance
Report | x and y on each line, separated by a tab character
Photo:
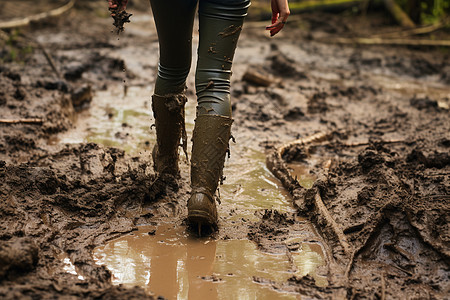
220	23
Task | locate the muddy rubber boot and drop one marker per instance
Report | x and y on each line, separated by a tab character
170	128
210	145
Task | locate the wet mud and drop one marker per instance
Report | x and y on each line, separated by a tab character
119	16
357	136
168	261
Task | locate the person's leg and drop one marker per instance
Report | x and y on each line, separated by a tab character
174	22
220	26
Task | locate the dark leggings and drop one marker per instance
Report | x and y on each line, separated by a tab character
220	25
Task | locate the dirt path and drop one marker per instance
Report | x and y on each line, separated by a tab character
378	209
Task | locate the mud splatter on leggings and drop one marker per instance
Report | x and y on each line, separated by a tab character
220	25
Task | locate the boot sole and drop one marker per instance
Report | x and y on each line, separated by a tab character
201	217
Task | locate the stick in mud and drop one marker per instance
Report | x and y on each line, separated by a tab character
21	121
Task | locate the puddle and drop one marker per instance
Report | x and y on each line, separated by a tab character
172	264
118	120
68	266
250	186
301	173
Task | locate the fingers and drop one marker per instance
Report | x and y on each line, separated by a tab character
275	28
113	4
280	13
277	25
275	10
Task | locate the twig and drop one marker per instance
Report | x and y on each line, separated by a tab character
332	223
414	31
349	266
258	79
400	251
383	287
290	259
382	142
328	218
399	15
318	137
382	41
38	17
48	57
22	121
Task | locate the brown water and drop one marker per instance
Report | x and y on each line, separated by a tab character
174	265
301	173
169	262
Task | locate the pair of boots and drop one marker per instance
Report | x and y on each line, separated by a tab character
210	145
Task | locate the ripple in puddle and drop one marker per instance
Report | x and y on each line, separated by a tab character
170	263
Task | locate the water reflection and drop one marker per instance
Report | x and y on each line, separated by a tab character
250	186
301	173
171	264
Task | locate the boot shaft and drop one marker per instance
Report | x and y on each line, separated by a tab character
210	145
170	128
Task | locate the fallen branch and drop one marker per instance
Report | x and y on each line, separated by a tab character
47	57
349	266
22	121
276	160
258	79
380	142
382	41
323	211
414	31
318	137
399	15
18	22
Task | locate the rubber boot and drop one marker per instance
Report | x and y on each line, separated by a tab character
170	128
210	145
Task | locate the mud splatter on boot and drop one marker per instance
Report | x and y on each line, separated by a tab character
210	145
170	128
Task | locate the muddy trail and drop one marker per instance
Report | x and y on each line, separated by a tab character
337	186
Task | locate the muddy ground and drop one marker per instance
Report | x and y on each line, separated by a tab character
381	114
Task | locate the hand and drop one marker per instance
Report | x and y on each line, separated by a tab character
117	5
280	13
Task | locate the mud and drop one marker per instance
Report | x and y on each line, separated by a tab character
370	199
120	17
167	261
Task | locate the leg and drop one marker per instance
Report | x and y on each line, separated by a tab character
174	21
220	26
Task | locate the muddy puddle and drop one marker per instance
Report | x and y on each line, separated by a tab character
166	260
170	263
